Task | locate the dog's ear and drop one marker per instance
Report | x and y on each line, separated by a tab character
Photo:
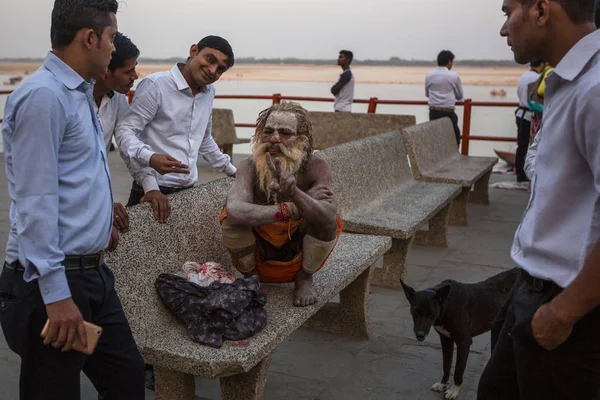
442	293
408	291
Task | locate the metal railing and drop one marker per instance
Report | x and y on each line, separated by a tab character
372	103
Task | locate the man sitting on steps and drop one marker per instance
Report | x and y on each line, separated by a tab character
280	219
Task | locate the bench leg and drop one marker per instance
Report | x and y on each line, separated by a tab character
458	212
351	316
437	234
228	149
393	264
481	190
248	386
173	385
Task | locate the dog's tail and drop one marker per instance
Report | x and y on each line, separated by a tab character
504	281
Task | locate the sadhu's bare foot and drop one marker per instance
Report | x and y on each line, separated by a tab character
304	292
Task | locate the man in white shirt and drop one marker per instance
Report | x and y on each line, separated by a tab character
169	122
110	101
343	90
546	344
523	116
443	88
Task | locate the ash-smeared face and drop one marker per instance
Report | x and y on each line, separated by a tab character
280	139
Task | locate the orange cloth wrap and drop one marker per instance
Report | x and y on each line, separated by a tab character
278	234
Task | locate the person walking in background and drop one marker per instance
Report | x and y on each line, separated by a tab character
523	117
343	90
61	220
443	88
535	99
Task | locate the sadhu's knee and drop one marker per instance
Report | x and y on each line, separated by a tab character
241	243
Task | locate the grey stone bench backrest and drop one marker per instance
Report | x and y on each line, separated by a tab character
223	126
192	233
366	170
430	145
331	128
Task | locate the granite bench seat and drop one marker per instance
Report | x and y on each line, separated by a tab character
223	130
334	128
434	157
193	234
377	195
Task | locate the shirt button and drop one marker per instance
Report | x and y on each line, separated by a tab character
46	291
2	305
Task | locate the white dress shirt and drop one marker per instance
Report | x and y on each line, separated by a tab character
527	78
165	117
561	224
113	108
443	88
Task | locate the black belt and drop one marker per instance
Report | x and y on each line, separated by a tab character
539	285
71	263
163	189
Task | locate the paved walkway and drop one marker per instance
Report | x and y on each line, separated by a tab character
392	365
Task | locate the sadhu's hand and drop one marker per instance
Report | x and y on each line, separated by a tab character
548	329
165	164
121	219
283	183
160	205
321	193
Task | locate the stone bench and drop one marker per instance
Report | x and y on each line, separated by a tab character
193	234
331	128
223	130
377	195
433	157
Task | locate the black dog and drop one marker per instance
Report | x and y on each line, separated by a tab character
458	312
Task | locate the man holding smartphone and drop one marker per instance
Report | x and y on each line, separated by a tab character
61	219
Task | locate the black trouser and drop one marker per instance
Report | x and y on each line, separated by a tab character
437	114
137	192
520	369
116	368
523	134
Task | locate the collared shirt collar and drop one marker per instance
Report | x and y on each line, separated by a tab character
178	77
71	79
180	80
577	58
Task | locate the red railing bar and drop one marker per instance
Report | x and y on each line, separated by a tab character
372	103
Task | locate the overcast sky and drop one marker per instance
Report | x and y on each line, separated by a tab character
376	29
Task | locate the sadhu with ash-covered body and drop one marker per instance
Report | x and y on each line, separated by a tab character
280	219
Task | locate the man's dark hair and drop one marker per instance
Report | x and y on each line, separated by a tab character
597	19
579	11
348	54
218	43
124	50
444	58
536	63
70	16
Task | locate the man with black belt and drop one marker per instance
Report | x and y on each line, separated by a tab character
171	116
443	88
61	219
523	116
546	338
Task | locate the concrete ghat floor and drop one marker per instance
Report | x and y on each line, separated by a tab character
392	365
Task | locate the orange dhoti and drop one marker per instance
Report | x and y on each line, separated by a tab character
279	234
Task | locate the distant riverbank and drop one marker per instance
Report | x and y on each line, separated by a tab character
472	76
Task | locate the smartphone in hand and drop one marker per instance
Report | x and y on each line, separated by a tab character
93	336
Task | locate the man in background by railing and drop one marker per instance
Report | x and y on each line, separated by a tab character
523	115
443	88
343	90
